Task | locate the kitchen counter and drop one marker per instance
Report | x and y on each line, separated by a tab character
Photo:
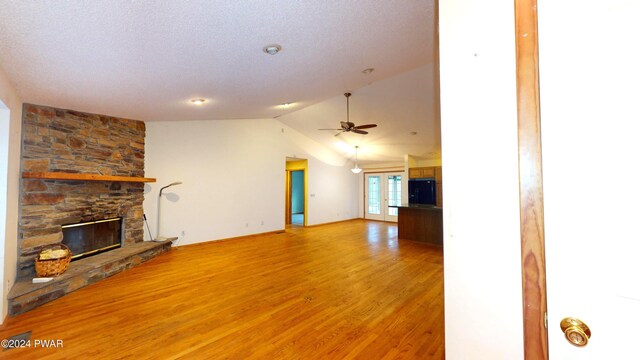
420	223
417	206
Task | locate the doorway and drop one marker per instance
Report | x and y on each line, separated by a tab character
382	191
295	192
297	197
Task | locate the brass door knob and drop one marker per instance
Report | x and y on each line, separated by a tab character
576	332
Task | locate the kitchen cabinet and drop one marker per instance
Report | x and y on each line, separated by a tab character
439	186
439	194
415	173
422	172
420	223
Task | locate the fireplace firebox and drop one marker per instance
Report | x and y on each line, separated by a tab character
92	237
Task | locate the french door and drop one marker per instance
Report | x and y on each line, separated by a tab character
381	191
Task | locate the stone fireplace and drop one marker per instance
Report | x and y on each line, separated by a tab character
57	140
71	142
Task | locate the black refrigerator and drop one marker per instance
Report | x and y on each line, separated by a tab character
422	191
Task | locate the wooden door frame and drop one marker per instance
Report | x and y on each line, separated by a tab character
534	287
296	165
287	198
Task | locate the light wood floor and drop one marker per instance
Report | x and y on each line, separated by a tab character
349	290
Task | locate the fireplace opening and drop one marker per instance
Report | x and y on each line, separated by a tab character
92	237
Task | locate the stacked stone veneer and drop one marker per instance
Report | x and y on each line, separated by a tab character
70	141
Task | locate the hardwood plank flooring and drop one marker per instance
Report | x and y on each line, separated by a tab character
348	290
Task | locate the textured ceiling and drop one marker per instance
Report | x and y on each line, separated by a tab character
146	59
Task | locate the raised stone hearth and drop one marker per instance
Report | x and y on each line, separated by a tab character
65	141
25	295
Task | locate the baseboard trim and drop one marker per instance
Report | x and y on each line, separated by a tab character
383	221
233	238
267	233
333	222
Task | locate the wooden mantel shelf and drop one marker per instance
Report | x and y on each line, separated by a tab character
85	177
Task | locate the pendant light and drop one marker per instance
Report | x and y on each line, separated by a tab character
356	170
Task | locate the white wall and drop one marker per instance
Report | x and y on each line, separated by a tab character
10	127
233	174
483	291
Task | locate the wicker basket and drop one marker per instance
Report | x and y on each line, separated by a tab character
53	267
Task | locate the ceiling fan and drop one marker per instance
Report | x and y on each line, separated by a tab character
348	126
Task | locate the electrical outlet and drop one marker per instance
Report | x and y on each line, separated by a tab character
182	233
247	224
262	222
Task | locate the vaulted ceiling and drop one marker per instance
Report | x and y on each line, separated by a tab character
405	108
147	59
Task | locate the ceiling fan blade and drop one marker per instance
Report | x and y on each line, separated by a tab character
332	129
367	126
357	131
338	133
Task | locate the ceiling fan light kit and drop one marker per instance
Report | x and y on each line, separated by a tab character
348	126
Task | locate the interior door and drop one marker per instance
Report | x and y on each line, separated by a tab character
382	190
589	88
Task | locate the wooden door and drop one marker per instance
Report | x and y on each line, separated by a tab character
589	91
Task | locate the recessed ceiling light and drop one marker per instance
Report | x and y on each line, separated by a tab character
368	71
198	101
272	49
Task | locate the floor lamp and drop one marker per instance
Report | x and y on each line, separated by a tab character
162	238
